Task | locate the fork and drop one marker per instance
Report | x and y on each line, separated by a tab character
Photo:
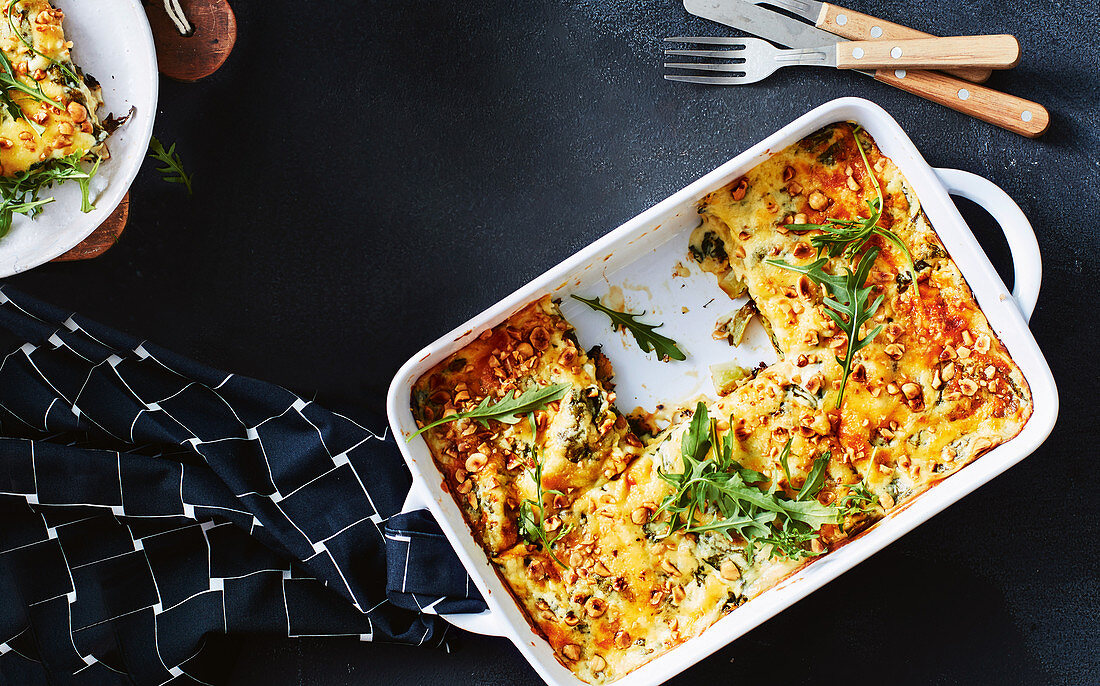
753	59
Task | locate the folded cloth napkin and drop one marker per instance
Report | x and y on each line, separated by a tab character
148	501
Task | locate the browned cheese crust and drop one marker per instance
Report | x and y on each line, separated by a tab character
931	393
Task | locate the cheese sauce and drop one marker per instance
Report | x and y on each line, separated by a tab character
616	588
34	45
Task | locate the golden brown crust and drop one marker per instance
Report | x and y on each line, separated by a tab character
932	392
914	409
46	65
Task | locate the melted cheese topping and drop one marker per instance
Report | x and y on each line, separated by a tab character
39	55
929	394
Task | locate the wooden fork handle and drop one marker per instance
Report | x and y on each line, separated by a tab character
996	52
1009	112
858	26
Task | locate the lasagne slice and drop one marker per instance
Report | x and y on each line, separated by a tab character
49	108
579	439
931	392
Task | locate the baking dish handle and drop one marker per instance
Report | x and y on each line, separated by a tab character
485	623
1027	264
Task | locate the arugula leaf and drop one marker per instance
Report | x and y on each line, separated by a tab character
697	440
13	109
506	409
858	501
784	455
531	527
643	333
816	479
812	513
172	171
721	490
848	305
19	192
848	237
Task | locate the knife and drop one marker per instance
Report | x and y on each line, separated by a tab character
1009	112
858	26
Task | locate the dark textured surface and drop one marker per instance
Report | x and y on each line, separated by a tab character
445	153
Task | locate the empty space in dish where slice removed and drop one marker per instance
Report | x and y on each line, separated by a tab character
647	273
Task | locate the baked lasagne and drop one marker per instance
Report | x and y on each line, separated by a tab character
620	545
49	109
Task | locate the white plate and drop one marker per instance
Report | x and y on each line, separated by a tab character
638	257
113	43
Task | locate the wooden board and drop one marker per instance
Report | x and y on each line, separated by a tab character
103	237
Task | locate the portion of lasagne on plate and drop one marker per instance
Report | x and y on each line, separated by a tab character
49	109
620	546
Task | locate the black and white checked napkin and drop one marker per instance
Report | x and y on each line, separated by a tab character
147	501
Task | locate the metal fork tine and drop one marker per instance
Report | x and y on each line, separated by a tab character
707	40
708	80
723	54
744	61
706	66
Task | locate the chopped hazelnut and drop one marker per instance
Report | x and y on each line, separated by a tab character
740	189
818	200
594	607
895	350
981	344
729	571
802	250
79	113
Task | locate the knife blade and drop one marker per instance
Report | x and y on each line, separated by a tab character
789	33
807	9
1009	112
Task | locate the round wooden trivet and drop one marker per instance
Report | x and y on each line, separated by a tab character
103	237
203	51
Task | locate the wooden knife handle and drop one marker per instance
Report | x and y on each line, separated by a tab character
996	52
1009	112
858	26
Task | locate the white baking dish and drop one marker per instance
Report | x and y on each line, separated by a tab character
639	258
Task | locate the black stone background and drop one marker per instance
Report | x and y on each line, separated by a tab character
370	174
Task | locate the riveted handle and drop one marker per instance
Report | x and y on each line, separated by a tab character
1009	112
995	52
1027	262
858	26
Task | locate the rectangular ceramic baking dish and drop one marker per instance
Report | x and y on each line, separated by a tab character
639	258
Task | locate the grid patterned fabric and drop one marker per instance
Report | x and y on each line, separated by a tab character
148	501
